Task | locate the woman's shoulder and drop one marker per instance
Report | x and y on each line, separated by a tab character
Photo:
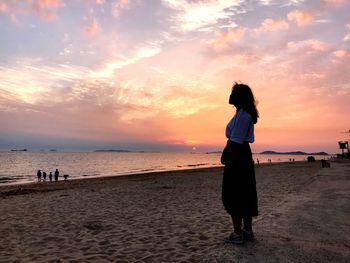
244	114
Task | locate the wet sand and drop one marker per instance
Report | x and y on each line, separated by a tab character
178	217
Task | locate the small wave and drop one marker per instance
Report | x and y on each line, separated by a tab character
7	179
196	165
147	170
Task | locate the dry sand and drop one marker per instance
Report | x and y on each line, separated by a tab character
178	217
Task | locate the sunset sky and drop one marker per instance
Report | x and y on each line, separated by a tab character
156	74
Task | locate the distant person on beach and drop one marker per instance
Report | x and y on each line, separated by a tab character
238	186
38	174
56	175
50	176
44	176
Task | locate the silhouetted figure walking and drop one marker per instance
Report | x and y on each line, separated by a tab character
38	174
44	176
56	175
50	176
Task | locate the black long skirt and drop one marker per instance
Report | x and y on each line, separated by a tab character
239	195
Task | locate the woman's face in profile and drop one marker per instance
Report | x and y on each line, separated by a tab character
232	98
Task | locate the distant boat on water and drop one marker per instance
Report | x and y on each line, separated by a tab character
19	150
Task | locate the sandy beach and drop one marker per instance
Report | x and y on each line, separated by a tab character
178	217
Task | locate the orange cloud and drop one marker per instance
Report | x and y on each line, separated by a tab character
341	53
226	37
317	45
46	9
3	7
300	17
314	44
336	3
92	29
272	25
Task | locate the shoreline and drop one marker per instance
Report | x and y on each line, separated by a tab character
77	182
84	181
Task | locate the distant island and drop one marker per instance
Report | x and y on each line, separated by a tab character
123	151
294	153
19	150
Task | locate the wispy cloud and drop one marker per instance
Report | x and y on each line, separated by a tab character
195	15
141	53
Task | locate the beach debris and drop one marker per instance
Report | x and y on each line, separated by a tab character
167	187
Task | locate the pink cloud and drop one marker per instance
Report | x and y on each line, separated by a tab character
272	25
317	44
3	7
335	3
341	53
92	29
46	9
223	38
314	44
300	17
100	2
119	6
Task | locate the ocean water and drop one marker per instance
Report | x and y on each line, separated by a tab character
21	167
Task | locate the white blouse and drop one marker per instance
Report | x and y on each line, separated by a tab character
241	128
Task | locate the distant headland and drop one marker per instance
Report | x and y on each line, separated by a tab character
294	153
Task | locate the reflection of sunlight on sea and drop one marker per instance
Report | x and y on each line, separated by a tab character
22	166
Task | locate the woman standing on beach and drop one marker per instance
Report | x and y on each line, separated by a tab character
238	187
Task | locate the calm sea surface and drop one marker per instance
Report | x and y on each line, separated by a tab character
21	167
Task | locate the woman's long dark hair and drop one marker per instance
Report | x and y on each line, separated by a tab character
242	98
